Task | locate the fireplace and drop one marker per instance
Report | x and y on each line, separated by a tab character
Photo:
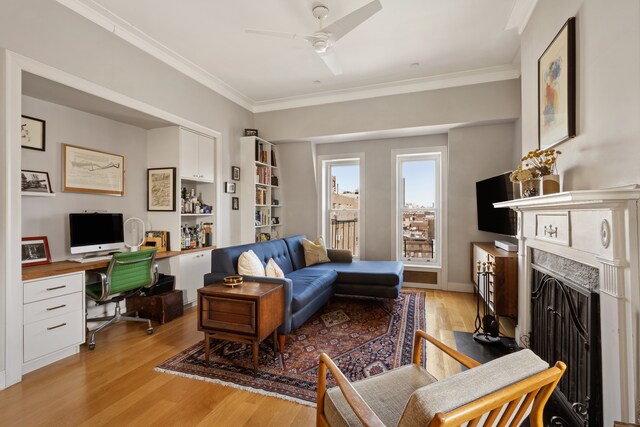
579	264
565	325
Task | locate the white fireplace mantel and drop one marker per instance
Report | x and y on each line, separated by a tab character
597	228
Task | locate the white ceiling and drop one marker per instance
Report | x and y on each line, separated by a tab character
206	39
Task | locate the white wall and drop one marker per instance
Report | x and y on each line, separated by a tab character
605	151
475	153
48	216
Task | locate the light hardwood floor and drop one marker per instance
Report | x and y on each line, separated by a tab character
116	383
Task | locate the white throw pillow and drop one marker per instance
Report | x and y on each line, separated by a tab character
250	265
273	269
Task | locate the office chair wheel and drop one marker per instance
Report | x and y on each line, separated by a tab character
92	346
149	331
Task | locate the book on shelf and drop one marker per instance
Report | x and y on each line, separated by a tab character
273	159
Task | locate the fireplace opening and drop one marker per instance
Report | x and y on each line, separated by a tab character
565	325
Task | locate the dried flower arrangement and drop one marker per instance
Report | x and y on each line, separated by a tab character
537	163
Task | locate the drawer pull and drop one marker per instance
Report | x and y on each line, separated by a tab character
57	287
551	231
56	307
57	326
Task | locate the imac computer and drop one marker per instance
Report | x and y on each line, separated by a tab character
96	232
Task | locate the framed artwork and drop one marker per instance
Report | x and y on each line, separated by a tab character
35	182
235	203
230	187
251	132
91	171
32	133
161	189
35	251
235	173
557	89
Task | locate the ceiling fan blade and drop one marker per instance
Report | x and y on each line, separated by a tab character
273	34
347	23
331	61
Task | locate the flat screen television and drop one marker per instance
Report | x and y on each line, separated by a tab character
495	220
95	232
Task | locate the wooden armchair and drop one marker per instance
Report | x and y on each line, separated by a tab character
500	393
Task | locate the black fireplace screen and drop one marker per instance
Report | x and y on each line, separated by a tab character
565	319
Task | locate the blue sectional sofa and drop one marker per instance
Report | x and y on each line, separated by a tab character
309	288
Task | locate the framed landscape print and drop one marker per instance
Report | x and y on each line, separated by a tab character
35	183
91	171
557	89
161	189
35	251
32	132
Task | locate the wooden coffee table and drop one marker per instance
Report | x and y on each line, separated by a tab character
247	313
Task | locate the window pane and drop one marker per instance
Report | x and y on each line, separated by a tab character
419	183
344	190
344	230
418	234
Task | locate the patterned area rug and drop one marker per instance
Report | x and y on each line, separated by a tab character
363	336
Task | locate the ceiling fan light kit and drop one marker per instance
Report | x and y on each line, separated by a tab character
323	40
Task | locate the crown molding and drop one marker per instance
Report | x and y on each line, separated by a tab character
121	28
520	14
102	17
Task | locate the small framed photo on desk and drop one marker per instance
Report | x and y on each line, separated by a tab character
35	251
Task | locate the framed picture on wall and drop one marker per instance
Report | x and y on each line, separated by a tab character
32	133
35	183
35	251
235	203
557	89
161	189
92	171
235	173
230	187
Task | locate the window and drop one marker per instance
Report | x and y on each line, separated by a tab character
418	218
341	206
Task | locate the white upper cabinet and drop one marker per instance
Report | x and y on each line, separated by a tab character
196	156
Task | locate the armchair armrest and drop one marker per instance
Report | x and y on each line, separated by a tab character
459	357
364	413
340	255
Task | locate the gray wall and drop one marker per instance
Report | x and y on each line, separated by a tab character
606	152
49	216
475	153
466	104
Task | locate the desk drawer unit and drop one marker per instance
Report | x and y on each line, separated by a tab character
50	287
50	335
52	307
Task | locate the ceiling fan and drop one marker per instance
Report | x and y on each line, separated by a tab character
323	40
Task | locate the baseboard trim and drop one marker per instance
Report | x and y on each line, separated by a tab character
461	287
421	285
49	359
2	381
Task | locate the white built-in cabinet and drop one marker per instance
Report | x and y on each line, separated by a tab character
261	203
193	156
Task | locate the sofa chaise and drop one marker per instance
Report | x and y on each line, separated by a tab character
306	289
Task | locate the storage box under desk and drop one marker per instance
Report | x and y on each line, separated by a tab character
160	308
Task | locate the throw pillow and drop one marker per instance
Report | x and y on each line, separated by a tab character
250	265
273	269
315	252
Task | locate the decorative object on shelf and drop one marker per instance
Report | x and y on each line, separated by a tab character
487	322
251	132
161	189
230	187
264	237
233	281
275	202
134	233
235	203
557	88
274	181
194	236
156	239
33	133
274	163
35	182
91	171
275	220
235	173
530	188
208	233
543	162
35	251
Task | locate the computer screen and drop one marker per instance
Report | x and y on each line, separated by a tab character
94	232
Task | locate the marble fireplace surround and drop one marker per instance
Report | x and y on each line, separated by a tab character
598	228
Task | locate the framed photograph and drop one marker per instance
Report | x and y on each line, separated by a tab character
230	187
91	171
35	251
251	132
235	173
235	203
33	133
557	89
161	189
35	182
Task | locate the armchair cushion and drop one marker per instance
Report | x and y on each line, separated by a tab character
467	386
386	394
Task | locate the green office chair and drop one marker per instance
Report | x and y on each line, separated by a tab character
128	274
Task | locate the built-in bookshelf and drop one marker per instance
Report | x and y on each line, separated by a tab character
260	191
